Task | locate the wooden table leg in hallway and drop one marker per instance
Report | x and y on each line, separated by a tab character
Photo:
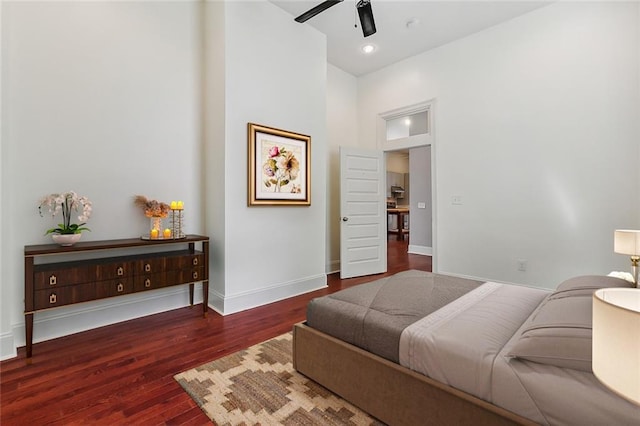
400	213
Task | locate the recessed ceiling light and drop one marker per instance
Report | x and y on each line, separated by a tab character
368	48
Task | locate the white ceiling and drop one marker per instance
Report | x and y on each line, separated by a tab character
440	22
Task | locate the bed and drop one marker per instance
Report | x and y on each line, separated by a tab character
422	348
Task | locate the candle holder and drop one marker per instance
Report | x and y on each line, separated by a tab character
177	223
155	228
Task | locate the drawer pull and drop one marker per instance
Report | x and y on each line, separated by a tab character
53	280
120	271
195	261
147	267
53	298
147	283
195	275
120	288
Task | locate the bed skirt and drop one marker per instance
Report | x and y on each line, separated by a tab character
393	394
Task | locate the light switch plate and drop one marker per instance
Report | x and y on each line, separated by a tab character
422	205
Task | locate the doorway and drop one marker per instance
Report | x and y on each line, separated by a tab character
406	135
398	192
409	200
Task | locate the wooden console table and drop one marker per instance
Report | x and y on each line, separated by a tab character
400	213
51	285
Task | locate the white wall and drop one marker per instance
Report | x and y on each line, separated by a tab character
154	98
342	123
275	75
537	131
539	139
6	336
214	131
102	98
420	235
397	162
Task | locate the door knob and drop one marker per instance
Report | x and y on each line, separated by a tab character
345	219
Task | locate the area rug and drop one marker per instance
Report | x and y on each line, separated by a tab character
258	386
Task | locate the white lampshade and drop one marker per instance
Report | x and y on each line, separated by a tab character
627	241
616	340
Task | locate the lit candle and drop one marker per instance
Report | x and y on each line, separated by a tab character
180	205
167	233
174	205
154	233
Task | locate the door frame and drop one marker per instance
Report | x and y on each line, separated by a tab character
427	139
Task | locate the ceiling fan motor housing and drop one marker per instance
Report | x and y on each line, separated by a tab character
364	12
366	17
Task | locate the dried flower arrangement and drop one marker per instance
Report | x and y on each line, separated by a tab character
152	208
156	210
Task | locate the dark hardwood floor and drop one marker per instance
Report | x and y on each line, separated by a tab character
123	373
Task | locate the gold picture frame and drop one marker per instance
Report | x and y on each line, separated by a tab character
279	167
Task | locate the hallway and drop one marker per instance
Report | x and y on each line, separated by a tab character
399	260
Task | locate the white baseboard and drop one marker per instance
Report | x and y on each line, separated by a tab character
216	301
72	319
230	304
483	279
7	347
423	250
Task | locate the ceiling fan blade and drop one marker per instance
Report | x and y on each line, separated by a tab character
315	10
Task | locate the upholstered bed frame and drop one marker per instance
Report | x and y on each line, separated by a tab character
388	391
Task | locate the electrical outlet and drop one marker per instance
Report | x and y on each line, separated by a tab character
422	205
456	199
522	265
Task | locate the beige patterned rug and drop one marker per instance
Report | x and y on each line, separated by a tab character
258	386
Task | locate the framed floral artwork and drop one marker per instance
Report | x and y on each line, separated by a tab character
279	167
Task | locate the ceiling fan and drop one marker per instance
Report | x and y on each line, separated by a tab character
364	12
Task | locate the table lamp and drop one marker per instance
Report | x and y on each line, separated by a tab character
627	241
616	340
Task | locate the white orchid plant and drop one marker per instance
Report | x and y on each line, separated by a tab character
65	203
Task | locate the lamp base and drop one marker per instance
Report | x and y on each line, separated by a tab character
634	269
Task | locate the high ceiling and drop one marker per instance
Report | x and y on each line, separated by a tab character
435	24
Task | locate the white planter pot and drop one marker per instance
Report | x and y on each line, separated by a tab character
66	239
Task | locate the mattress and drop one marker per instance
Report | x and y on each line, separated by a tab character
553	395
467	345
372	316
458	344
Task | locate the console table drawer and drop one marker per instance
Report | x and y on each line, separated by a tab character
150	265
151	281
112	270
189	276
182	262
49	277
113	288
67	295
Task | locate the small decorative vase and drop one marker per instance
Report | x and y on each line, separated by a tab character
66	239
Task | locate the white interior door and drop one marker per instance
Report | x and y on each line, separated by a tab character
363	229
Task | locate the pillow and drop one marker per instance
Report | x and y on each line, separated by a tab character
558	333
622	275
586	285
